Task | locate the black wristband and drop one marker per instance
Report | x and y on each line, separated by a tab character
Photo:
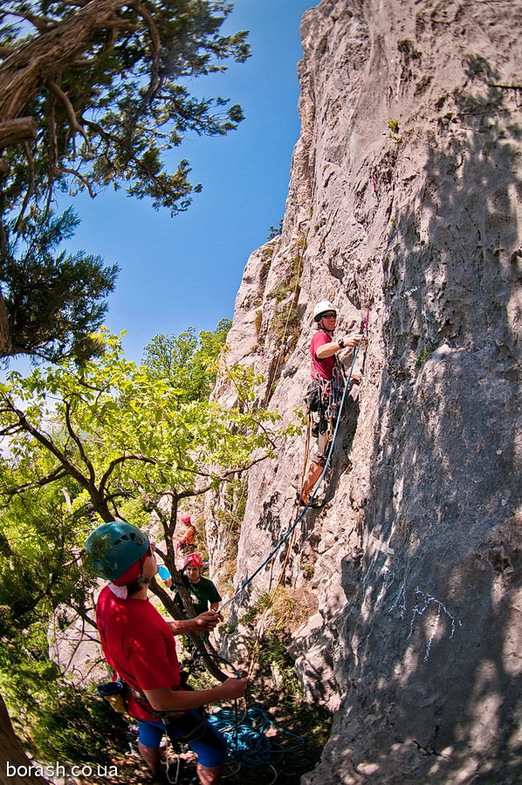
341	343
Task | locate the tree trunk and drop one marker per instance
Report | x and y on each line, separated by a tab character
5	331
11	753
23	73
199	639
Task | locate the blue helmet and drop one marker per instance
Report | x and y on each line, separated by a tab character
113	547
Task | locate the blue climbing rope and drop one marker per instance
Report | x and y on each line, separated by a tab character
247	739
246	732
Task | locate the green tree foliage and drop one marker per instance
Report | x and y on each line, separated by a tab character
74	726
94	94
119	435
188	362
119	431
54	300
82	445
106	84
39	574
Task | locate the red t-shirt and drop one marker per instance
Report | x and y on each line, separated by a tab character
138	644
323	368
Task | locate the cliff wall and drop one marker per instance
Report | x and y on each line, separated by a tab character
405	195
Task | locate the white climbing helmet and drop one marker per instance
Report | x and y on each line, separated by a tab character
322	307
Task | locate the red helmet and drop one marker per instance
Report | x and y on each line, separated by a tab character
186	519
193	560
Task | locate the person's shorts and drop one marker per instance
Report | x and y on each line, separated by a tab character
206	742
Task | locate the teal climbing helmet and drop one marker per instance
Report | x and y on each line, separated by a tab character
113	547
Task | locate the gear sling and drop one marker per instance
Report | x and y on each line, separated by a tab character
323	398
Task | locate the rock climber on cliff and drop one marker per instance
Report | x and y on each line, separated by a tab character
186	543
138	643
328	375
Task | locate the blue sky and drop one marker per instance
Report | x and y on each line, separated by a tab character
185	271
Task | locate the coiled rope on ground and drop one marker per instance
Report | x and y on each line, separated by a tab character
247	738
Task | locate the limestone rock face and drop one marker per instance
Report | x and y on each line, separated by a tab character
405	195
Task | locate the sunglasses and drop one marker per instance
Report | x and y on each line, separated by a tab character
329	316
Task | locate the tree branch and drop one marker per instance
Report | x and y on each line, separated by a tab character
220	478
156	47
55	474
16	131
49	445
71	114
149	502
80	610
76	439
112	465
80	177
30	187
138	163
41	23
49	53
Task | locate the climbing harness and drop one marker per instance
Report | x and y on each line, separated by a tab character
115	694
331	396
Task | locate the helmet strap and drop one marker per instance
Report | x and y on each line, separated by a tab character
325	330
140	579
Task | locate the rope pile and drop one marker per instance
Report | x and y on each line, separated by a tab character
247	732
247	738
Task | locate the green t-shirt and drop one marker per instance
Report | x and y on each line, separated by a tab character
201	593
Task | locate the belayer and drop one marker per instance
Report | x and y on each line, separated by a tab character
328	380
138	643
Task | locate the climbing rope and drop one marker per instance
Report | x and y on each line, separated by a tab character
246	732
247	738
299	518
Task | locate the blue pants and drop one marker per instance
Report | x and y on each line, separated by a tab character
206	742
